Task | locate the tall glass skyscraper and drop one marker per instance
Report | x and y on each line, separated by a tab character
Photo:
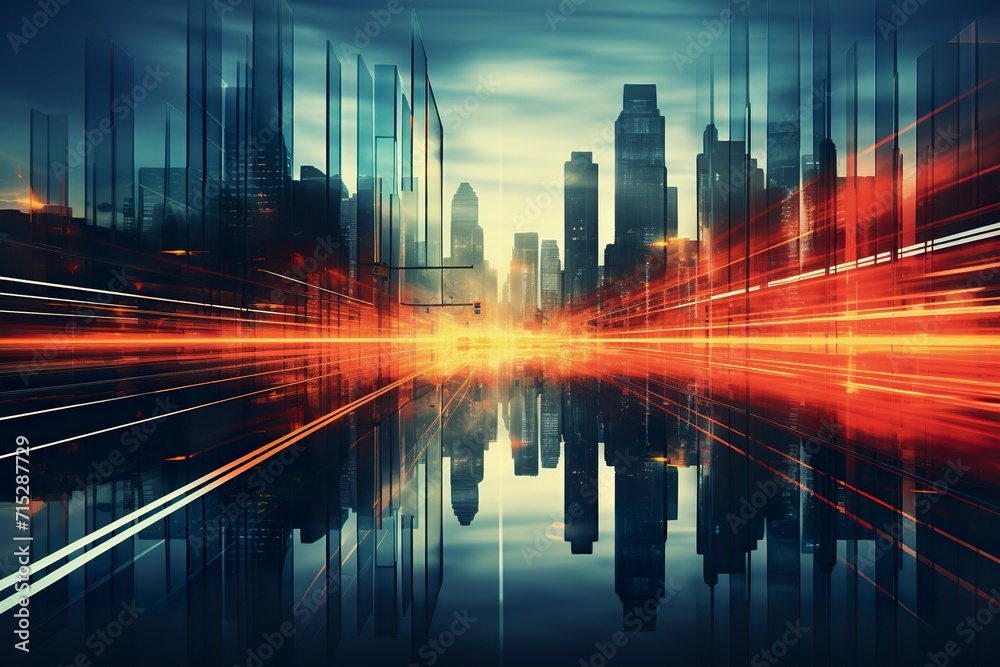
271	136
204	129
550	273
580	229
49	159
524	278
464	220
110	156
639	174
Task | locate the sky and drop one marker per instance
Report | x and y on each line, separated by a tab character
520	83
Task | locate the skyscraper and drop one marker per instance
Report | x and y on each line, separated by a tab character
204	129
524	278
49	158
464	221
273	91
550	274
639	175
580	229
110	161
672	221
49	181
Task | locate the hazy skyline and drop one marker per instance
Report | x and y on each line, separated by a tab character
520	86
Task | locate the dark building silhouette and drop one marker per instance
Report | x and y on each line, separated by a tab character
464	221
524	425
958	135
580	278
48	185
730	195
524	278
550	279
672	220
582	489
640	179
270	188
110	148
550	423
204	130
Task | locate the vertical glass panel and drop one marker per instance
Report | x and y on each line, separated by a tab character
334	149
124	148
366	173
435	194
98	197
782	141
38	179
418	96
58	160
386	162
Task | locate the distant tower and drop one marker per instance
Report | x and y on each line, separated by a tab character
550	275
639	175
273	93
464	221
580	230
524	278
110	163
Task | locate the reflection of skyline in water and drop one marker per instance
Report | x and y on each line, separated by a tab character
627	502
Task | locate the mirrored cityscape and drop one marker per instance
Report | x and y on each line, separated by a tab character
425	333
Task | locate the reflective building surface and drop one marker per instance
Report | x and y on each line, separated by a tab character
375	510
697	364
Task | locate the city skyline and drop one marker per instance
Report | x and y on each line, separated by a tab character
468	57
337	334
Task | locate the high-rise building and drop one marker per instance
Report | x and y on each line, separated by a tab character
204	129
271	124
49	181
524	278
162	222
309	204
550	424
640	175
110	148
957	183
550	276
580	230
730	195
524	425
672	221
464	221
